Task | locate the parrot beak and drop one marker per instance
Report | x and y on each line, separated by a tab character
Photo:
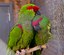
37	28
38	13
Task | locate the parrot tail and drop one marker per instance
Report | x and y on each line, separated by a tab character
10	52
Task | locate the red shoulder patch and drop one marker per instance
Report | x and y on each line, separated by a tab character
20	26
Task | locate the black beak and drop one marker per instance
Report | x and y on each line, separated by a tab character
37	28
38	13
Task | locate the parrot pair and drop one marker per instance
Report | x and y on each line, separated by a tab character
22	33
31	27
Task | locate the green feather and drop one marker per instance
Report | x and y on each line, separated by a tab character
27	35
27	15
15	35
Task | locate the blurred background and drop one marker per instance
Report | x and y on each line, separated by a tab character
54	9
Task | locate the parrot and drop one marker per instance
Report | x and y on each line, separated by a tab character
25	19
22	33
42	27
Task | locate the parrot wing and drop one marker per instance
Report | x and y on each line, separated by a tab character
14	36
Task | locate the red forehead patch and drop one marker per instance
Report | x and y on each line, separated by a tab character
30	7
35	8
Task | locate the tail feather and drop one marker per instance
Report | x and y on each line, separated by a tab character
10	52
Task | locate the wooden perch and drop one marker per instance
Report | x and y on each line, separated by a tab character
35	48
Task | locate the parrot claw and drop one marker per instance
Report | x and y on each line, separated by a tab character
17	53
23	52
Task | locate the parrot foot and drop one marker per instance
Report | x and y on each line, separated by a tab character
23	52
17	53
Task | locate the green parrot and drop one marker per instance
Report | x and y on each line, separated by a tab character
25	18
42	28
22	33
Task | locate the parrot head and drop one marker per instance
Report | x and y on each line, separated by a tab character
27	12
31	7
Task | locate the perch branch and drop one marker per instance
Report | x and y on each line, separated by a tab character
35	48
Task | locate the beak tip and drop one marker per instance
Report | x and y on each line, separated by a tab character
38	13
